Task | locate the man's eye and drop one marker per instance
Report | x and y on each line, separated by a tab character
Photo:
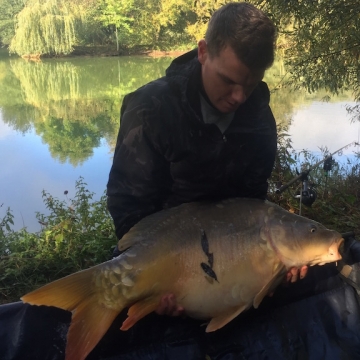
227	81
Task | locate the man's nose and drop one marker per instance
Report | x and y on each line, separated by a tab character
238	94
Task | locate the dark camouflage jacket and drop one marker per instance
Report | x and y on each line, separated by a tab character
166	155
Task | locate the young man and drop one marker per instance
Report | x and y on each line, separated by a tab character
205	130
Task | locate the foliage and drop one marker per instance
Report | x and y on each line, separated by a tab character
337	203
46	27
8	10
119	15
77	233
322	42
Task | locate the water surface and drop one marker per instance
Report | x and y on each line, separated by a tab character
59	120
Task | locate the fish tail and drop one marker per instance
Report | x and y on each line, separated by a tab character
90	317
89	324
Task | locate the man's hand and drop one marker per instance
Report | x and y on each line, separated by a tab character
168	306
294	273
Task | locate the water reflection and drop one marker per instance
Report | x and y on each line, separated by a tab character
59	120
318	125
72	104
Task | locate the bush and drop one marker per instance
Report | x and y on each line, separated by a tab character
337	204
77	234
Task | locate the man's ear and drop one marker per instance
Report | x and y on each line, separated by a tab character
202	51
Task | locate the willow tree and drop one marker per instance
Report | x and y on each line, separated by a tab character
46	27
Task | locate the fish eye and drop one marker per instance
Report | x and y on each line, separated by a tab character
313	229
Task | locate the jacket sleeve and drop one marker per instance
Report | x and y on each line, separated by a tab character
139	177
259	172
255	181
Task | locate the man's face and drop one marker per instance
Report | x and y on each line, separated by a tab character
226	80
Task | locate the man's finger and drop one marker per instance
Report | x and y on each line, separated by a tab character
303	271
294	274
163	307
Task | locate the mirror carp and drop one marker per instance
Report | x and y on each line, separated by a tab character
217	258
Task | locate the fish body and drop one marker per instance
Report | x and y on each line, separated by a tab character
217	258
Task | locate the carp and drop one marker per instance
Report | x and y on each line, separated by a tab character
217	258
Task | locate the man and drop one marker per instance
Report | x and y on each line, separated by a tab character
205	130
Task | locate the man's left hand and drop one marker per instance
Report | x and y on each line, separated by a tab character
168	306
295	273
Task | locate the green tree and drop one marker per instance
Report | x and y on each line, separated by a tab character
322	42
117	14
46	27
8	10
202	11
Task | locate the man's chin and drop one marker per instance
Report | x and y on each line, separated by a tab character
228	109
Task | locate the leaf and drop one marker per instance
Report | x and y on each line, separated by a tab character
59	238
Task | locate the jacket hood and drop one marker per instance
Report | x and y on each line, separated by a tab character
182	70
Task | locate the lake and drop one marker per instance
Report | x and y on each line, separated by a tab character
59	120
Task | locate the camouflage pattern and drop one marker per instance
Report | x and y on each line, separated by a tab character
166	155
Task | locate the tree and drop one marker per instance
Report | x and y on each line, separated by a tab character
119	15
46	27
8	10
203	9
322	42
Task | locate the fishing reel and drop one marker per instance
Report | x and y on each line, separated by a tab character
307	194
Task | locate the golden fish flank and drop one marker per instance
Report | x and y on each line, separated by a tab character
218	259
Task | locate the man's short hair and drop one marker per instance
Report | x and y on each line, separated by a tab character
247	30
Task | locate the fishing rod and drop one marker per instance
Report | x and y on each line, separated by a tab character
307	195
305	173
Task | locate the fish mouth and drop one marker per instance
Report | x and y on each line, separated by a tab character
333	253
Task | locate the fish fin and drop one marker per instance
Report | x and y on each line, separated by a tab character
219	321
65	293
274	281
89	323
90	319
138	311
